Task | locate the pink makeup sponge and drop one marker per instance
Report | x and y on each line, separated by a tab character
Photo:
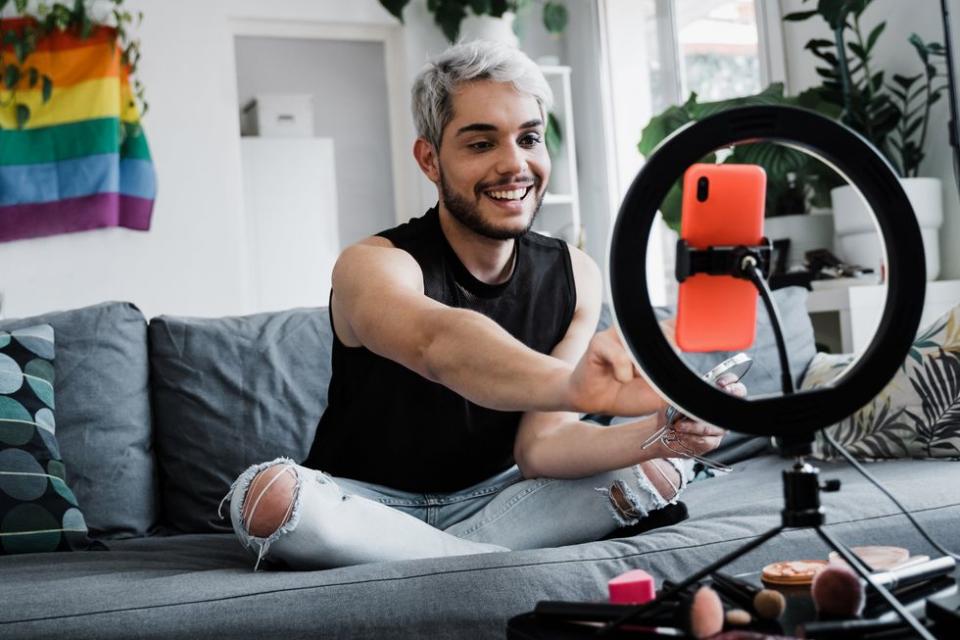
838	592
632	587
706	613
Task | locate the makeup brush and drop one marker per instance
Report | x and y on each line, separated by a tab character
837	592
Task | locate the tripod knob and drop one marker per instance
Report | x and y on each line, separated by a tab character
831	485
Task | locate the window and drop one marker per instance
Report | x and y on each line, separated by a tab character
718	46
657	53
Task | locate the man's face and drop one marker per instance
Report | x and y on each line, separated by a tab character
493	162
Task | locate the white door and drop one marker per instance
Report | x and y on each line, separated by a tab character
290	201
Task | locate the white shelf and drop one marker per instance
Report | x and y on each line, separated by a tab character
557	198
561	214
858	308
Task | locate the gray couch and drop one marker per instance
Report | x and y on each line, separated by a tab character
155	419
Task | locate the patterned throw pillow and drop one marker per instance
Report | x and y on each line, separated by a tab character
38	511
917	415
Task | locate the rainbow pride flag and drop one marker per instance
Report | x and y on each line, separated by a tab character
81	161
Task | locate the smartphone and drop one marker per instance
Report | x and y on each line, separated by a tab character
722	206
738	365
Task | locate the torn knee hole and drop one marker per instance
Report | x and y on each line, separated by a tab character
269	501
621	501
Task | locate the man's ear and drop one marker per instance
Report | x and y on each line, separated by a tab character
427	157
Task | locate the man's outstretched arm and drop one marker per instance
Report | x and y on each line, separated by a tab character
558	444
378	302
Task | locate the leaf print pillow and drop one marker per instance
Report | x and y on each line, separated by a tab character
917	414
38	511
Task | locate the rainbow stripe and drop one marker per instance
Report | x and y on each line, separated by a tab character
81	161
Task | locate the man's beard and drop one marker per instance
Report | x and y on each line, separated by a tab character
468	213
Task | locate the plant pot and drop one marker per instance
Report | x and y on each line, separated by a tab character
500	29
857	238
806	232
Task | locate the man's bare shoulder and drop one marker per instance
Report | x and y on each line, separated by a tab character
375	255
586	273
376	241
367	273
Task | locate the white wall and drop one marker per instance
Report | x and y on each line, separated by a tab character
347	80
894	54
192	261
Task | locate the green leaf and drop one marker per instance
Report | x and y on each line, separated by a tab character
47	88
874	34
918	44
904	81
34	76
555	17
817	43
23	114
912	128
798	16
859	51
11	76
449	15
898	93
395	7
823	72
660	127
835	12
553	136
671	206
480	7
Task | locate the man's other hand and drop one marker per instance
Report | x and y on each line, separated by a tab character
701	437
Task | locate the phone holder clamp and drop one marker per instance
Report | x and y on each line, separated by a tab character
722	260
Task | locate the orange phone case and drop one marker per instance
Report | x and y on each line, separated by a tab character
719	313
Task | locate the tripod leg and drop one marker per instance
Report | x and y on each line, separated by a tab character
724	561
857	566
699	575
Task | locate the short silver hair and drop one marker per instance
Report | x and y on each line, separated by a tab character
436	83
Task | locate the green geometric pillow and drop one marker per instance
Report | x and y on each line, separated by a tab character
917	415
38	511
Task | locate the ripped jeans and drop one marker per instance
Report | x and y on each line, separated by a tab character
336	522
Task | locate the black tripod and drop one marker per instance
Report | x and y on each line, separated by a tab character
801	492
801	483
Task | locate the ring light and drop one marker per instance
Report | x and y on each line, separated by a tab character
863	167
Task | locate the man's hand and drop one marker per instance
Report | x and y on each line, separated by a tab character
606	380
700	437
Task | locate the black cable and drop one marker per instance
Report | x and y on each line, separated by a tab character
753	274
866	474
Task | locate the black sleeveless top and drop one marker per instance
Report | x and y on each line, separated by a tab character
388	425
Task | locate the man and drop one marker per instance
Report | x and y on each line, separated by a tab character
464	350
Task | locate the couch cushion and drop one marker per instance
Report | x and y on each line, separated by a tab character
103	414
228	393
202	586
38	511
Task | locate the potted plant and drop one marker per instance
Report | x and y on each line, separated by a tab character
487	19
787	169
893	114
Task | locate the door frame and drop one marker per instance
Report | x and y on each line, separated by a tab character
391	37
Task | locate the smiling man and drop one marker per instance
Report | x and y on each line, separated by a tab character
463	353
